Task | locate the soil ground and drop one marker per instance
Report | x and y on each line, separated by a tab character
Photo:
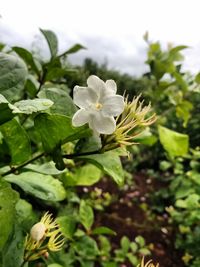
131	215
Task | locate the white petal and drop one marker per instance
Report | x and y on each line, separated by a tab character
97	84
80	118
101	124
111	87
113	105
84	96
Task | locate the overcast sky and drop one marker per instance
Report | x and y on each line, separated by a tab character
112	30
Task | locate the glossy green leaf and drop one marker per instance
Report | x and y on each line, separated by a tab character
17	141
52	41
63	104
109	163
13	73
42	186
176	144
86	215
84	176
56	129
28	58
8	199
31	105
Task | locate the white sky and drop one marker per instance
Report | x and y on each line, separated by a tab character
110	29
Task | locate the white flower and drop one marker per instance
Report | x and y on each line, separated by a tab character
98	105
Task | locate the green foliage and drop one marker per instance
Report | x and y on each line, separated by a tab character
39	185
8	199
174	143
13	74
47	164
17	140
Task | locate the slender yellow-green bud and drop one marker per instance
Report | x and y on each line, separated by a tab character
129	125
44	236
147	264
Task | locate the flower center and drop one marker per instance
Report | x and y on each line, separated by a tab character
98	106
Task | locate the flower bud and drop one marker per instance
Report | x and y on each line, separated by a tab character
38	231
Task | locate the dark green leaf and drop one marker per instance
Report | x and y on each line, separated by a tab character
13	73
75	48
52	41
5	111
17	141
8	199
63	104
14	250
56	129
28	58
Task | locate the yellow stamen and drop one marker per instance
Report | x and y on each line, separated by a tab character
98	106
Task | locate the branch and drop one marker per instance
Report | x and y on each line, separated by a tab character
14	169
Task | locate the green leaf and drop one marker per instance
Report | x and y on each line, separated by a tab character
28	58
191	202
31	86
75	48
183	111
42	186
46	168
63	104
109	162
197	78
52	41
86	215
54	265
102	230
6	113
140	240
13	73
86	247
56	129
8	199
14	250
125	244
145	251
55	73
134	247
17	141
133	259
31	105
84	176
67	225
176	144
25	215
